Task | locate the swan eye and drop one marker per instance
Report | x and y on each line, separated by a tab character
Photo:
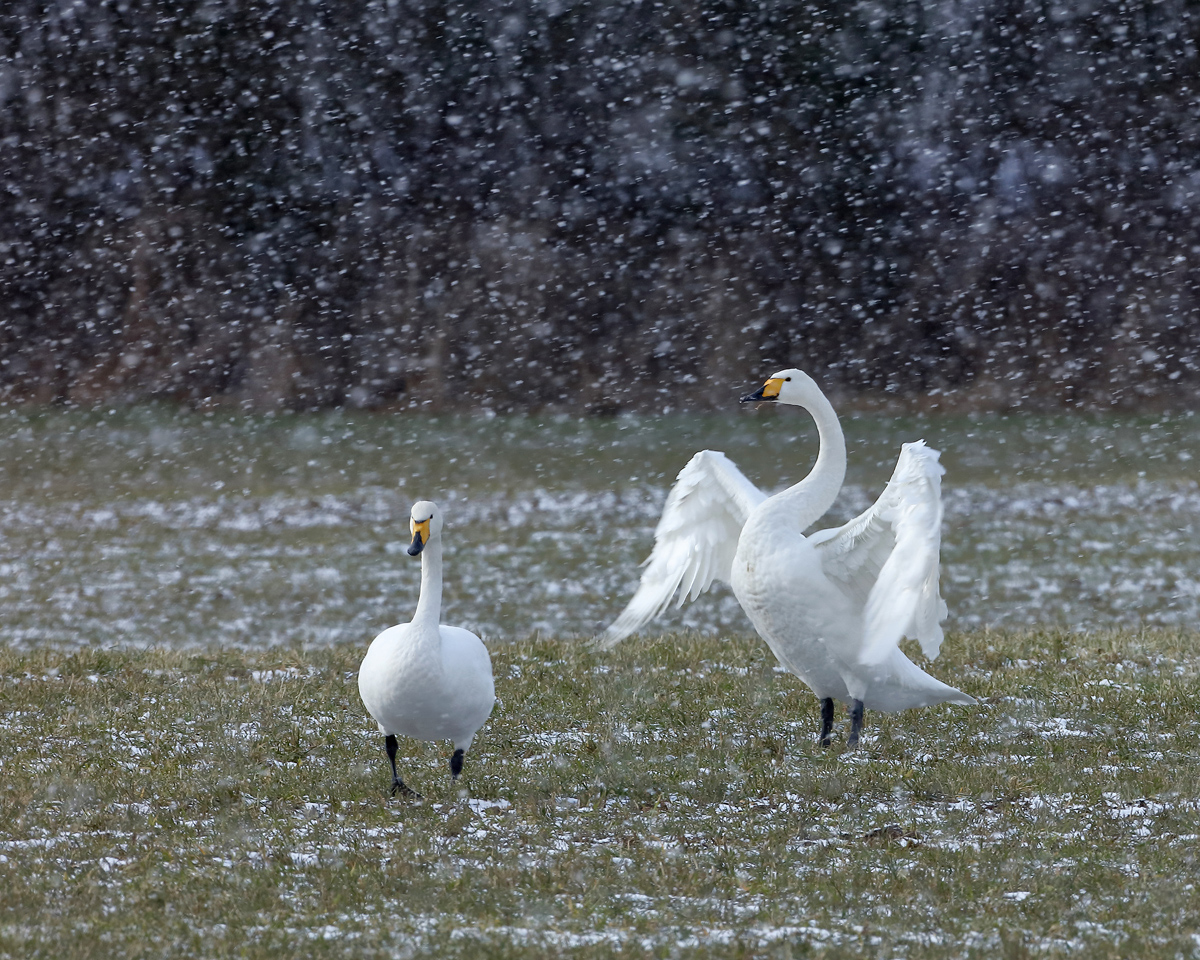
787	379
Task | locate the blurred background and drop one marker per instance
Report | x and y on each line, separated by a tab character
237	238
598	206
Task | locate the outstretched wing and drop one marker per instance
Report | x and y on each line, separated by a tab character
888	558
694	542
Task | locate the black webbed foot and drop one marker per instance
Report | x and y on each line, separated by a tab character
402	788
856	721
826	721
398	785
456	763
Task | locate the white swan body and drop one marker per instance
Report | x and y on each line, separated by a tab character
423	679
428	685
832	606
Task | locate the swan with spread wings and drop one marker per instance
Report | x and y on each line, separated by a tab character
833	605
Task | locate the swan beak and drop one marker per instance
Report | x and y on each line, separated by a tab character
768	391
420	536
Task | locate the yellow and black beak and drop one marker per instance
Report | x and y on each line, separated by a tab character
768	391
420	536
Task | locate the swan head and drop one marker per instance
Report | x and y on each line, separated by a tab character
787	386
425	523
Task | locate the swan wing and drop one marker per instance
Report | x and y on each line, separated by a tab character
694	542
888	558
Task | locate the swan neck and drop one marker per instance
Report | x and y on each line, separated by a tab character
809	499
429	605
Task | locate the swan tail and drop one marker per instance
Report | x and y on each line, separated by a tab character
902	685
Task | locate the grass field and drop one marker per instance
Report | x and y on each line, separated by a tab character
664	799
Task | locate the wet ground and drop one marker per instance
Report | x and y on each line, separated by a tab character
153	526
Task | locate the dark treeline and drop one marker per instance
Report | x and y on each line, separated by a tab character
595	205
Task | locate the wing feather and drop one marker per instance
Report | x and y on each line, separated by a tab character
888	558
694	542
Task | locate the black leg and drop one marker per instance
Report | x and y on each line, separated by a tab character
456	763
398	785
856	717
826	721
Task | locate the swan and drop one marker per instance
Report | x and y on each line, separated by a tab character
423	679
832	606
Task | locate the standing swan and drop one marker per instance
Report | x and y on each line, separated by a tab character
832	606
424	679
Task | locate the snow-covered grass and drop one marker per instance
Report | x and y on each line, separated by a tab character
664	799
144	526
